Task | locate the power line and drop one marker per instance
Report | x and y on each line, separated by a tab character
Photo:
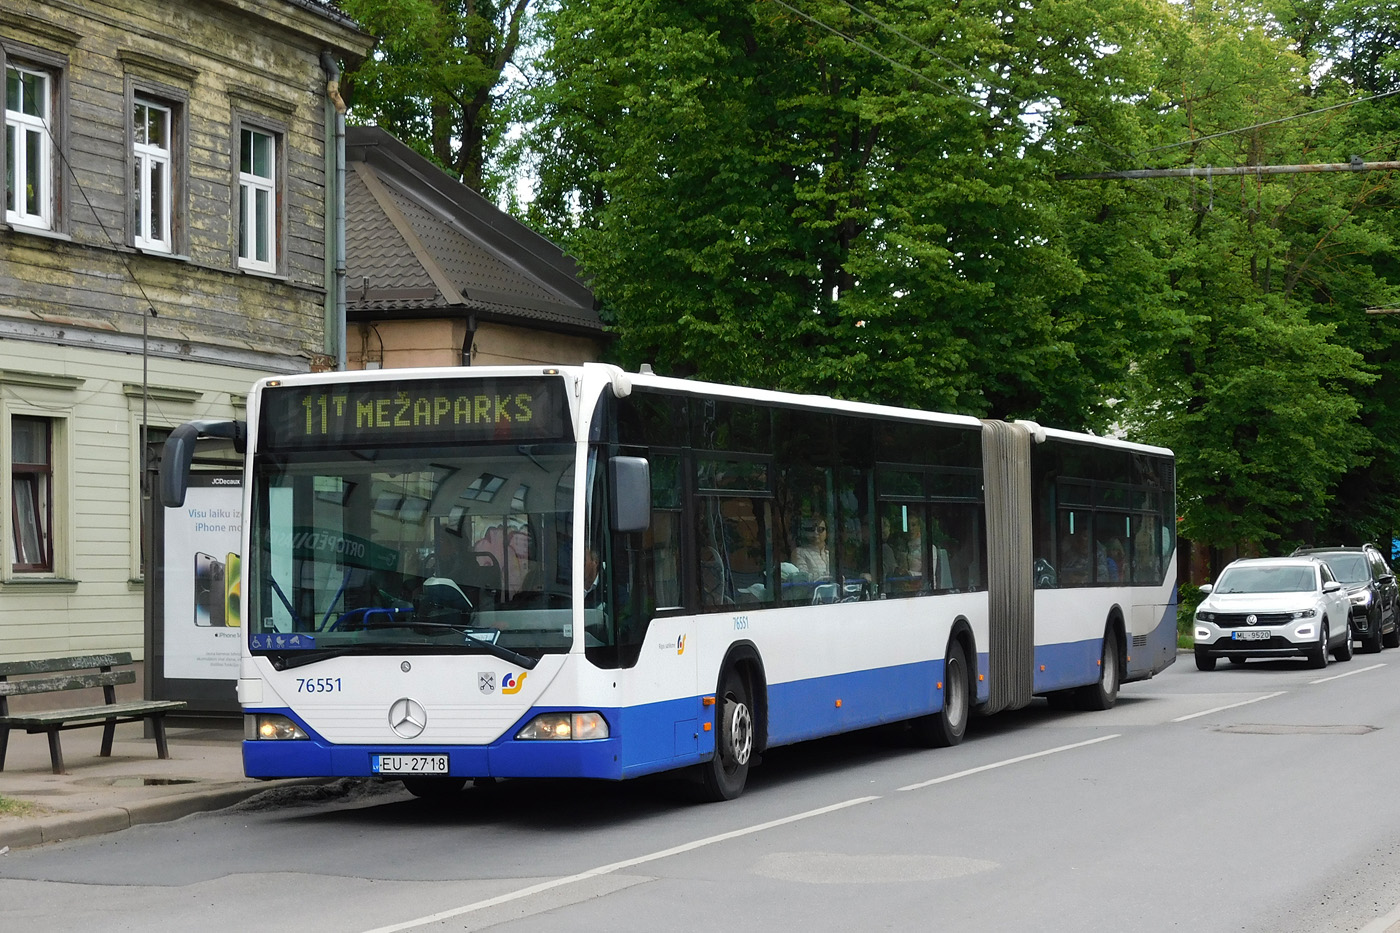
77	183
1355	165
880	55
1246	129
915	43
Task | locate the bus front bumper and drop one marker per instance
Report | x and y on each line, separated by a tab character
592	758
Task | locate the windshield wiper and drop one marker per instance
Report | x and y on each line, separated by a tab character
500	651
287	660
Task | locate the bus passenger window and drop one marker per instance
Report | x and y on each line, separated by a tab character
857	542
956	540
1075	560
662	547
901	541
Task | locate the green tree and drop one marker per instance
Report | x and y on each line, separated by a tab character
436	78
1256	390
759	199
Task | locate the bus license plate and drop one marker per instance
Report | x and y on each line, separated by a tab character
1251	635
409	764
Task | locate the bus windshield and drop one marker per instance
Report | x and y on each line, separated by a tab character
412	550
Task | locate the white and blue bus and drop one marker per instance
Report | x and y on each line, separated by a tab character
503	572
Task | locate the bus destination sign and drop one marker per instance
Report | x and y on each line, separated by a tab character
413	412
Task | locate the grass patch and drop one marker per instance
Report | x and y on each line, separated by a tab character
12	807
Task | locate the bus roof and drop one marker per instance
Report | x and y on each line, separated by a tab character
623	382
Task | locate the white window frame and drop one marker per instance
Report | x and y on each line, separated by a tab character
19	126
153	177
255	189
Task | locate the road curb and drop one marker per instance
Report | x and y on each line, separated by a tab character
26	833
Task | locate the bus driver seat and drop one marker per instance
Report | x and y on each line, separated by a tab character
442	593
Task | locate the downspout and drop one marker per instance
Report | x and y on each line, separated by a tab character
337	324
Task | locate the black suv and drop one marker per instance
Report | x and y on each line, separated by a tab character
1375	618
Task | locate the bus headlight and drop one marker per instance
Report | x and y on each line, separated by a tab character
272	726
565	726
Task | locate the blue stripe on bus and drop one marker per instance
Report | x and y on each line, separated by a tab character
660	736
1069	664
806	709
646	739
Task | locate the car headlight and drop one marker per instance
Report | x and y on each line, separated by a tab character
1305	614
1205	616
1361	599
590	725
271	726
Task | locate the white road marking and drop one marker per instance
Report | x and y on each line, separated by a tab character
615	867
1359	670
701	843
1218	709
1009	761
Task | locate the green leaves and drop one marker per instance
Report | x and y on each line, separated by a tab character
435	77
861	200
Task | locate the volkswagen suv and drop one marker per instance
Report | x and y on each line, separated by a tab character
1275	607
1375	619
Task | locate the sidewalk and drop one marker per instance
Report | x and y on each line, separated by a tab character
133	786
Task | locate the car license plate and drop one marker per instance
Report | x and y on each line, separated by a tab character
1251	635
408	764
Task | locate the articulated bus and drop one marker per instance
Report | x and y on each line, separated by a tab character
509	572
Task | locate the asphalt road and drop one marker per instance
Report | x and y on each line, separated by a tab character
1262	798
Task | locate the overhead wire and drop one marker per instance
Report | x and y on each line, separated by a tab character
77	183
1130	157
1256	126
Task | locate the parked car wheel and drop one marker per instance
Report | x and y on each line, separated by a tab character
1372	642
1343	650
1318	656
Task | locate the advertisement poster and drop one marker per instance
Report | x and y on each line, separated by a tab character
202	575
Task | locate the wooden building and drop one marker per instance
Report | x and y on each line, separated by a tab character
436	275
165	242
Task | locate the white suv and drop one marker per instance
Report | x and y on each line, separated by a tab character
1275	607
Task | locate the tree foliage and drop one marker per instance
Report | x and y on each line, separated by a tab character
869	200
435	77
1264	389
871	213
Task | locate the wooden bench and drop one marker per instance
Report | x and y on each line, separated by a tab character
78	673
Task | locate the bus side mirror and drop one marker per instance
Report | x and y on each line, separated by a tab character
175	460
631	493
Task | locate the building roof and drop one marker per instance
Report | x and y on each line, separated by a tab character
421	244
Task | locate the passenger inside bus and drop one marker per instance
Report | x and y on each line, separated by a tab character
1111	561
812	555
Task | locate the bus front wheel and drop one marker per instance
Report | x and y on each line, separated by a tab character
723	777
947	727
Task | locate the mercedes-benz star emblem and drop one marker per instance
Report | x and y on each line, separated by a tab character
1252	619
407	718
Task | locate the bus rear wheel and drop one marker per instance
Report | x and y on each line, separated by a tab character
947	727
1104	694
723	777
